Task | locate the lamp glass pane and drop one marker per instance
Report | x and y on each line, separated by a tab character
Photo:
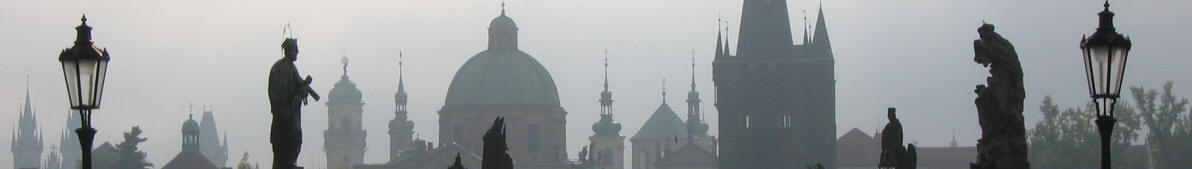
70	71
101	73
1119	55
87	79
1099	57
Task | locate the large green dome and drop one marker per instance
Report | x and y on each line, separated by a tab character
502	75
502	78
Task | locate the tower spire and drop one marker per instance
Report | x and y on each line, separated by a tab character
719	39
806	36
953	138
400	73
692	70
606	70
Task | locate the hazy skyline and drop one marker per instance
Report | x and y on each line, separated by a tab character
915	55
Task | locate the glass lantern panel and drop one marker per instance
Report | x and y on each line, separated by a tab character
101	74
1118	69
87	80
70	70
1098	67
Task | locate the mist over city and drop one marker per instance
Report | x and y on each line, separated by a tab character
580	84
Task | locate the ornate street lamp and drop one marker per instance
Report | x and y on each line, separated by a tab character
85	67
1105	54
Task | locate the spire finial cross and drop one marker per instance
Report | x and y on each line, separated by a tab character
664	90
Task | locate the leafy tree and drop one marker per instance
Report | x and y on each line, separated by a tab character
1069	138
129	157
1168	124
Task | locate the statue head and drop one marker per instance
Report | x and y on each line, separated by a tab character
890	114
290	47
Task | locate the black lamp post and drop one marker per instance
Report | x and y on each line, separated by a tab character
85	67
1105	54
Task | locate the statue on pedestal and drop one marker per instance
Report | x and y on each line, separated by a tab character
894	155
999	104
287	93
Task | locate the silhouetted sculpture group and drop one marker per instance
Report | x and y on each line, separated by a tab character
894	155
495	156
287	94
999	104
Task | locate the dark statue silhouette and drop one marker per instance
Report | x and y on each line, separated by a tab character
893	153
999	104
495	156
287	94
458	164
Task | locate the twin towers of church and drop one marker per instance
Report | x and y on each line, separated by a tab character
775	103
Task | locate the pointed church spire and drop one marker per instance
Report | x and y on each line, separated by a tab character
401	85
806	36
954	138
719	37
821	29
726	40
692	70
606	70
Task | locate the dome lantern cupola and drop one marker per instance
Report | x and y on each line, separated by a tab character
502	32
190	134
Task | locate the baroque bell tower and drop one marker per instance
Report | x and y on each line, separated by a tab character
608	145
401	128
344	137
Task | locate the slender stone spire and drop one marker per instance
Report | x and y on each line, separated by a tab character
953	138
401	96
726	39
806	36
720	53
695	122
821	30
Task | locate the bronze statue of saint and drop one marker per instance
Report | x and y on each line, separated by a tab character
287	94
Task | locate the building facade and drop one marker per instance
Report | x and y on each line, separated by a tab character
343	141
664	133
505	81
776	100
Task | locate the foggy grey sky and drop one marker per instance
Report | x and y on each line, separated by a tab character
912	54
